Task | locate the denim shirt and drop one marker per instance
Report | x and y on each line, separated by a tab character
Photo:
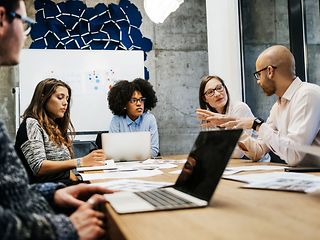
146	122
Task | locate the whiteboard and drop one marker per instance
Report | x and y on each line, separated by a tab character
89	73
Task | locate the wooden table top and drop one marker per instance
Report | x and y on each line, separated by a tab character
233	213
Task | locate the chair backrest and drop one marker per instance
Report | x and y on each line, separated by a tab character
98	139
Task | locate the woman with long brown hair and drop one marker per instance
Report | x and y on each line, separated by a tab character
43	141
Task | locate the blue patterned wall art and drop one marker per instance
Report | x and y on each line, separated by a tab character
73	25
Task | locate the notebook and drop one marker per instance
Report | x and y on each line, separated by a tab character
196	183
127	146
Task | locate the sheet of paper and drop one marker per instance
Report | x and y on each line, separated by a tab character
109	164
159	161
287	184
230	172
176	171
146	165
233	170
132	185
256	177
114	174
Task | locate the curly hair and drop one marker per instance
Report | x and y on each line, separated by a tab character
57	129
202	102
121	93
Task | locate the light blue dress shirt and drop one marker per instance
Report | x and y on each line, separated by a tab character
146	122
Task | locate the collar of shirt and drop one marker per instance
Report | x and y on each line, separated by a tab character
294	86
137	121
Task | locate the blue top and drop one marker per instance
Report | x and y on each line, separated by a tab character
146	122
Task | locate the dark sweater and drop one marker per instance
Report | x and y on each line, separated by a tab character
25	212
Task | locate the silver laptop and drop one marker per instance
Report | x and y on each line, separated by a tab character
196	183
127	146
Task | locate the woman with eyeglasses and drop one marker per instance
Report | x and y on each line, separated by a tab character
214	98
43	142
131	102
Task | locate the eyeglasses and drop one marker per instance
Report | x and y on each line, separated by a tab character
210	92
27	22
257	73
136	100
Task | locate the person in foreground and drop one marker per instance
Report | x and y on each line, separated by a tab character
131	102
294	119
42	140
27	211
214	97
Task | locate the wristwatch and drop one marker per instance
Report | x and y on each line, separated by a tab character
78	162
257	122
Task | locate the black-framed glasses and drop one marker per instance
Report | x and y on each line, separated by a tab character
210	92
258	73
27	22
136	100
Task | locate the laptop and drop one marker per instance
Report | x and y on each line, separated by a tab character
127	146
196	183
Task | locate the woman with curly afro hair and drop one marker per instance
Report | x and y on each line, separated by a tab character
131	102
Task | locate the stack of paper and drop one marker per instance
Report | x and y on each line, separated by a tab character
285	181
134	169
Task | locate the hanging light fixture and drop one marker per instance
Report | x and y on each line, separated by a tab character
159	10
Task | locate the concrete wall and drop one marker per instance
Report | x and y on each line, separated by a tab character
177	62
7	102
178	59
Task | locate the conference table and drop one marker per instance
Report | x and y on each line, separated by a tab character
233	213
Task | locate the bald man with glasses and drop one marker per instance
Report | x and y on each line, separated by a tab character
36	211
294	119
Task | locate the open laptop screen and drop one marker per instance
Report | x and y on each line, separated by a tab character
128	146
206	162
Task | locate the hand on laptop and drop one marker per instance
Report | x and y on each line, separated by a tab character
77	195
95	158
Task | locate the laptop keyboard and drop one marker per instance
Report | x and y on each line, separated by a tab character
160	198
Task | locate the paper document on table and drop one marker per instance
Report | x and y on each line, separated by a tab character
109	164
256	177
159	161
285	181
145	165
160	164
132	185
120	174
287	184
233	170
176	171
